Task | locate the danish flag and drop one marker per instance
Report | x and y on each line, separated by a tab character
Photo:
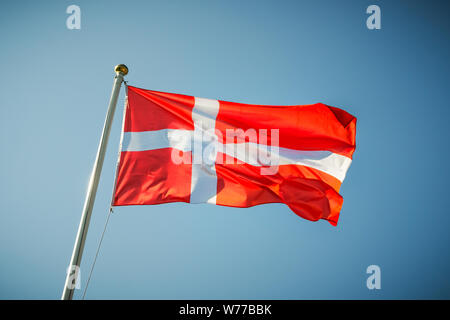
179	148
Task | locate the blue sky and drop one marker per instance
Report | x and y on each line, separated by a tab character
55	88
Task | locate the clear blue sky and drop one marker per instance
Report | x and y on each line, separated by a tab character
55	88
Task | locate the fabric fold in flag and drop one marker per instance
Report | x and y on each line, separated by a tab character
179	148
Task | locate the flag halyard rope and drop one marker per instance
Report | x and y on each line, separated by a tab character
96	254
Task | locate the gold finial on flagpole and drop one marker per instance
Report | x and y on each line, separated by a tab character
121	68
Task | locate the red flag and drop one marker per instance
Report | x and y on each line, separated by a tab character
179	148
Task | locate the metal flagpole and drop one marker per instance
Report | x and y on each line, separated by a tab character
72	273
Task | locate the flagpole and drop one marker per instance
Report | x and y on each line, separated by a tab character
73	271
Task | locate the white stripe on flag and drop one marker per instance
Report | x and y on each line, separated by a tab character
158	139
204	153
252	153
332	163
